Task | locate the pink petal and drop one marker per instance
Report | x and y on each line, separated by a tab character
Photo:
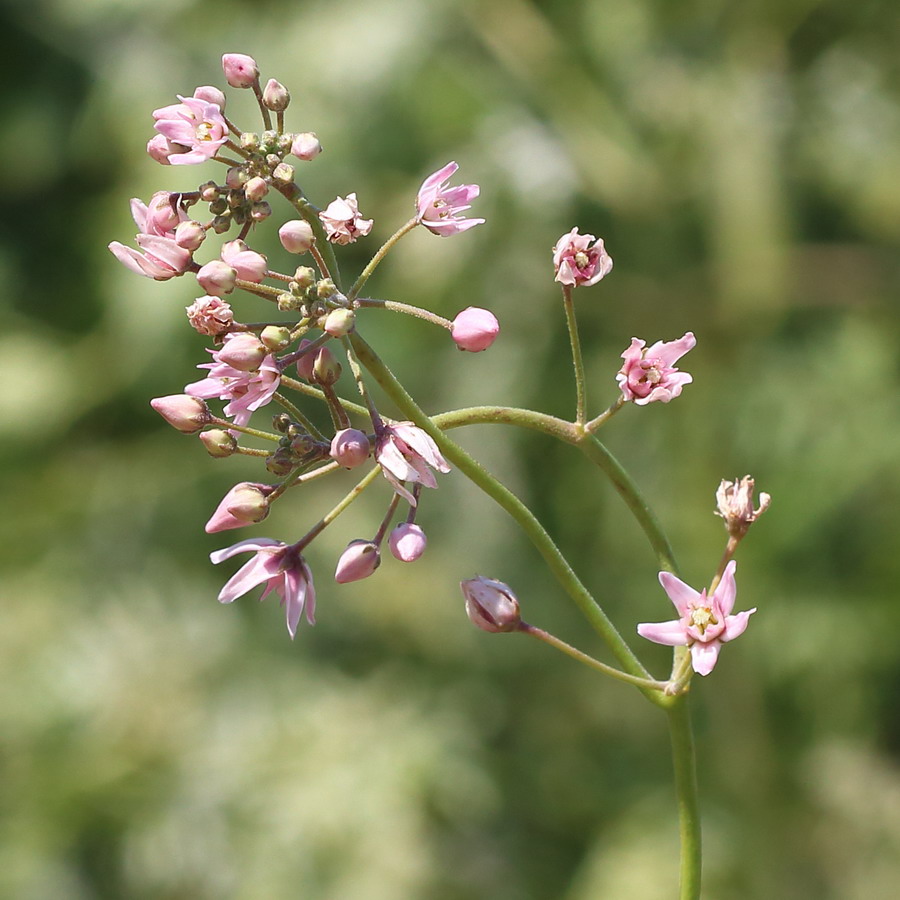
704	656
669	353
260	568
726	590
254	544
672	634
681	594
736	625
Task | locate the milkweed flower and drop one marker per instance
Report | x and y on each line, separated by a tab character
650	374
159	258
281	568
343	222
196	125
407	453
735	505
439	206
704	623
580	259
210	315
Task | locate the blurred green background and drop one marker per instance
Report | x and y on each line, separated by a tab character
742	162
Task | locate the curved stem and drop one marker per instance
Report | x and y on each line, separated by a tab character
395	306
383	251
684	762
577	361
526	520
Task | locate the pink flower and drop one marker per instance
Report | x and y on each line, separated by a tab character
407	453
475	329
210	315
342	221
161	258
281	568
194	124
578	262
705	623
160	149
244	504
650	374
249	265
246	391
161	216
439	207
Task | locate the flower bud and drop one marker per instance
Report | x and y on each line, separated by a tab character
187	414
281	462
475	329
255	189
245	504
189	235
240	70
407	542
326	289
286	302
350	447
358	561
306	146
249	140
159	149
275	337
339	322
218	443
244	352
260	211
217	278
283	173
276	96
306	362
296	236
735	505
491	605
304	277
326	368
211	95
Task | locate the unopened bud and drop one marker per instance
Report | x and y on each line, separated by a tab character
339	322
245	504
286	302
244	352
235	177
240	70
218	443
407	542
326	289
304	277
735	505
211	95
221	224
306	362
281	462
217	278
283	173
255	189
187	414
260	211
358	561
475	329
249	140
276	96
281	422
189	235
275	337
296	236
306	146
491	605
208	191
326	368
350	447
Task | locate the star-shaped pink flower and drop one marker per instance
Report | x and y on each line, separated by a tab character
440	206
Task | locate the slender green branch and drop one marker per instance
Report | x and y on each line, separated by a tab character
308	211
311	391
684	762
577	361
298	416
328	518
383	251
243	429
605	416
508	415
409	310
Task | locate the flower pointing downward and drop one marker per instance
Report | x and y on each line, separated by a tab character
439	207
705	623
407	453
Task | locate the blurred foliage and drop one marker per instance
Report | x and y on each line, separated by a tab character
741	161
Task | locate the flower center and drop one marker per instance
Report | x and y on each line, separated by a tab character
204	131
702	617
652	374
582	260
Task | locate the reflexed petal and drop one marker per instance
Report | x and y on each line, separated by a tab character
681	594
254	544
260	568
704	656
672	634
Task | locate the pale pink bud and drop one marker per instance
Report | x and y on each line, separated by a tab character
275	337
735	505
210	315
189	235
211	95
217	278
255	189
306	146
296	236
240	70
350	447
339	322
187	414
276	96
326	368
407	542
491	605
244	352
244	504
475	329
247	264
358	561
160	148
306	362
218	443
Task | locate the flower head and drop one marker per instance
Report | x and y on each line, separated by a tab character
705	623
196	125
439	206
407	453
650	374
735	505
343	222
579	259
283	570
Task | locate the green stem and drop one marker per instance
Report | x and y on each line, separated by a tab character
294	195
577	361
327	519
523	516
383	251
298	416
408	309
684	761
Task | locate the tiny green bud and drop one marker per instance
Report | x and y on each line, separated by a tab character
218	443
326	368
339	322
260	211
326	289
280	462
275	337
283	173
221	224
250	141
305	277
218	206
288	302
